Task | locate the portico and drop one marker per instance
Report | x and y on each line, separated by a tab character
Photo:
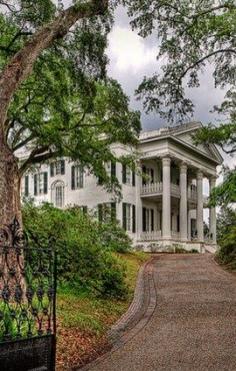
172	196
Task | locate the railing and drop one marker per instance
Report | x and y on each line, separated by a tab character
151	188
27	302
150	236
157	188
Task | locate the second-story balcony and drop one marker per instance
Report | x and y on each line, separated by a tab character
156	189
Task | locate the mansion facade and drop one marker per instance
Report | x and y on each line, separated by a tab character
163	208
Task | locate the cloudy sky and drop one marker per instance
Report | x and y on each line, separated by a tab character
132	58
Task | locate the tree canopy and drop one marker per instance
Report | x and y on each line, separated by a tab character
67	102
191	35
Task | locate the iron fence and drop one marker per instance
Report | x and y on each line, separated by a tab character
27	303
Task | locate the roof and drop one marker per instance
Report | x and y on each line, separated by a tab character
175	133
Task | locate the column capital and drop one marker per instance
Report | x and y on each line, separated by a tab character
199	175
166	161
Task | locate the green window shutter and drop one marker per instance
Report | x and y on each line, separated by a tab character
113	211
81	176
100	213
113	169
152	220
144	220
62	167
26	185
124	174
134	219
72	177
45	183
35	184
124	216
133	178
52	169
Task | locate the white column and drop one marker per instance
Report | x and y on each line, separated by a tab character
139	205
212	213
183	203
166	199
200	233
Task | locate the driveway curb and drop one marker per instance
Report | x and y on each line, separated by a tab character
137	316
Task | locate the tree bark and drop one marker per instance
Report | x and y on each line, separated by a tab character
9	187
16	71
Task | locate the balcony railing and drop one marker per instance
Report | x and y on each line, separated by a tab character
152	188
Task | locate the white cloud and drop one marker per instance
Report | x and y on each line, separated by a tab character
128	51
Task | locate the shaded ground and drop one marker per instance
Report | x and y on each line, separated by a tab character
193	326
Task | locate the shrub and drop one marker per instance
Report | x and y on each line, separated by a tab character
226	230
86	261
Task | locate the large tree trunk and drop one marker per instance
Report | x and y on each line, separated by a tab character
10	207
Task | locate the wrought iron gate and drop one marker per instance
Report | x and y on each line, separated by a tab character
27	303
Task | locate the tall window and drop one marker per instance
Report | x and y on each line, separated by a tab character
40	183
26	190
148	175
107	212
129	217
77	177
58	194
128	176
148	220
57	168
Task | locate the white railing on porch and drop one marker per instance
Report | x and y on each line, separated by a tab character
151	188
150	236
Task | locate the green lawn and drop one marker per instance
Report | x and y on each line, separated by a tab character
84	320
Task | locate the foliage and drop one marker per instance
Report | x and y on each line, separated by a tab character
191	36
67	102
85	260
226	231
84	319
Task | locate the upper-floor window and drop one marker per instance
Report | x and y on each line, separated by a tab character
148	175
58	194
128	176
57	168
40	183
110	169
77	177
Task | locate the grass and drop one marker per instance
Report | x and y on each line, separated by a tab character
84	320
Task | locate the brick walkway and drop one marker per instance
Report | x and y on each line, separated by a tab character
188	322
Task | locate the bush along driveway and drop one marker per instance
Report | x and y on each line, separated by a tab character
191	327
84	319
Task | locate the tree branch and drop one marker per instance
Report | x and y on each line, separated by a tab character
201	60
21	65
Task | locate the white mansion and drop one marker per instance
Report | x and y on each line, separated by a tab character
163	208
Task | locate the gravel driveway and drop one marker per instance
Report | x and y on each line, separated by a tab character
193	326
